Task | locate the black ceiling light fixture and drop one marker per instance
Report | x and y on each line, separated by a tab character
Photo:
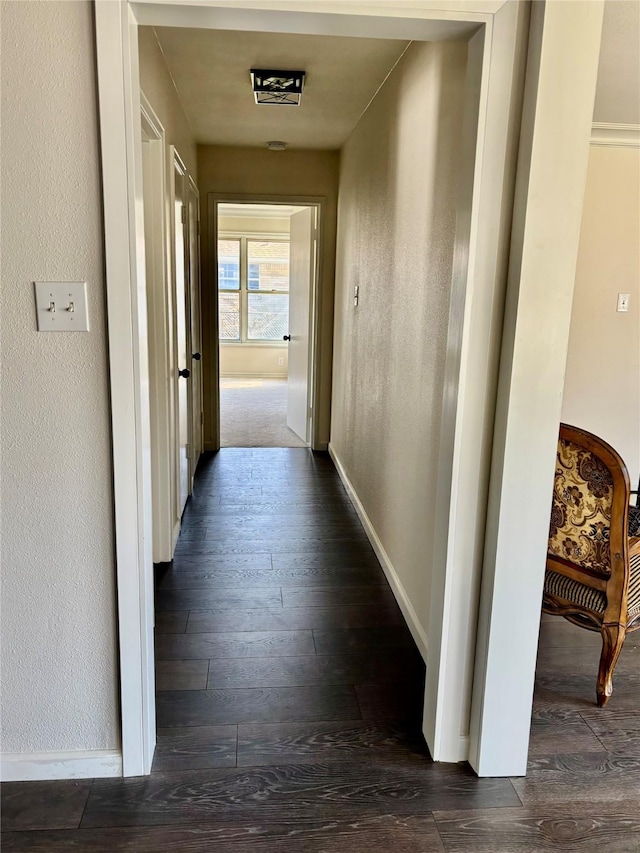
277	87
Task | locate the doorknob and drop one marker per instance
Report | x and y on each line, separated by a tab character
196	356
286	337
186	373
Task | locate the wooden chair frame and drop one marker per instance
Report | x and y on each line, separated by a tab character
614	623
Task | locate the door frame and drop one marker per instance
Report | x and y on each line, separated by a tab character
318	202
481	457
160	343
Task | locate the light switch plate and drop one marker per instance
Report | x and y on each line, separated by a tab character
61	306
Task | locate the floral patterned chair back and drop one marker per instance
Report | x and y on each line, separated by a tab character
593	561
580	529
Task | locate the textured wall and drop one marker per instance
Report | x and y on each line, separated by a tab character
396	227
58	585
158	87
238	171
618	90
602	382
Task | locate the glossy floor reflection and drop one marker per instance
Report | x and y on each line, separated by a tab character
289	700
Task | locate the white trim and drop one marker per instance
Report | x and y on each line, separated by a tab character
495	74
615	135
151	123
121	151
552	169
438	21
469	403
410	615
215	199
34	766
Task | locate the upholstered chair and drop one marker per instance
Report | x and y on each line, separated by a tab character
593	563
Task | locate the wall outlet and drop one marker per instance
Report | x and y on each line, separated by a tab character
280	361
623	302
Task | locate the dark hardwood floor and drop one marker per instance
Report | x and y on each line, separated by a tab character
289	705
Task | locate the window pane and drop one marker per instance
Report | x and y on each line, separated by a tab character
229	307
268	316
253	279
268	265
229	264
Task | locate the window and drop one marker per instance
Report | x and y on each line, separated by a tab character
258	272
229	280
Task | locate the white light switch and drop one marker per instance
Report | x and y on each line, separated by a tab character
623	302
61	306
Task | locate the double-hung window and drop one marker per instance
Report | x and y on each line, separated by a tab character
253	289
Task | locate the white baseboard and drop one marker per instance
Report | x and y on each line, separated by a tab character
34	766
463	749
398	590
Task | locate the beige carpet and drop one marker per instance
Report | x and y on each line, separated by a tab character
253	413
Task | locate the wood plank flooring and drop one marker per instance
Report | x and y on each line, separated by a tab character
289	700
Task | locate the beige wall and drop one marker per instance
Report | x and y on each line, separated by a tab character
253	360
159	90
254	224
60	676
238	171
396	225
602	383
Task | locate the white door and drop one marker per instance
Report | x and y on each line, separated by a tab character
301	275
195	327
183	355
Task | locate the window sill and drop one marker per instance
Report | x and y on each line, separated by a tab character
282	344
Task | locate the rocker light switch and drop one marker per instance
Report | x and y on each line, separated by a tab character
61	306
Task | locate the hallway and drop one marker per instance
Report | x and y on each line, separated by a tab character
289	697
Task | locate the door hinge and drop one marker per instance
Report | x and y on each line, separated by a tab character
202	418
198	227
188	449
183	214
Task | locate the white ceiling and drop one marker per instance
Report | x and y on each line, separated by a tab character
210	69
618	91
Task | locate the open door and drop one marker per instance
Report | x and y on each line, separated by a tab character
301	272
182	331
195	330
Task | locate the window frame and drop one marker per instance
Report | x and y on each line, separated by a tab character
245	238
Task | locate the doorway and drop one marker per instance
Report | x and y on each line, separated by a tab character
266	258
496	34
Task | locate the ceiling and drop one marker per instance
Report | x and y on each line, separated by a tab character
210	69
618	90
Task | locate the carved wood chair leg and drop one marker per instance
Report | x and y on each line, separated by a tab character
612	642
